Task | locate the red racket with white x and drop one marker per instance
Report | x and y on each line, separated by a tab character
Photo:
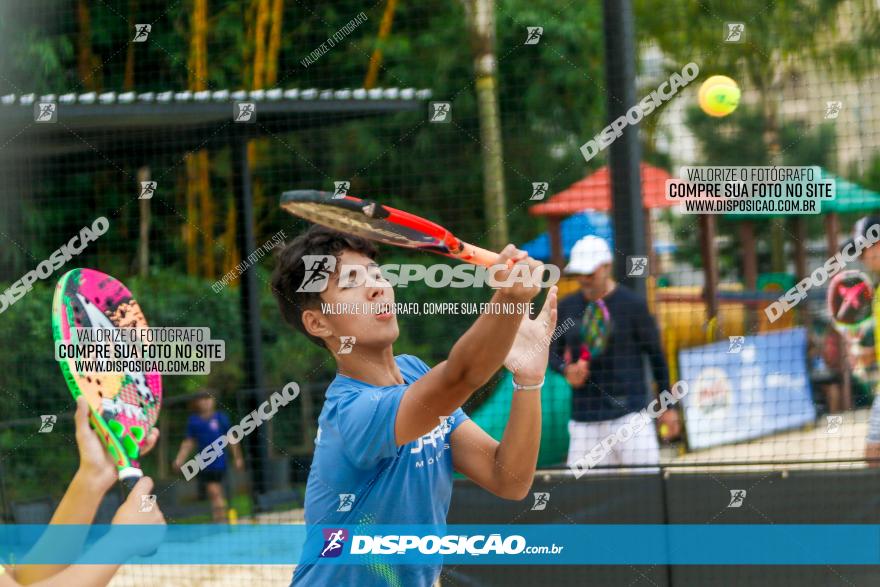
384	224
850	297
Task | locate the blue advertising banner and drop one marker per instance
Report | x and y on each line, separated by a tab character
524	544
746	387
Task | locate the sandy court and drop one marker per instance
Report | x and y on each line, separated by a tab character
842	438
214	575
203	575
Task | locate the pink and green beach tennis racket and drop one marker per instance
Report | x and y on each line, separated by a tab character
124	405
595	330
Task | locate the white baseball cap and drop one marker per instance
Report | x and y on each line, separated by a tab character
587	255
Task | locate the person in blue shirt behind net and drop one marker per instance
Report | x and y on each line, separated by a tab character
205	425
392	430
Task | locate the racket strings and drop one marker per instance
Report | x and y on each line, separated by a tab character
596	328
352	222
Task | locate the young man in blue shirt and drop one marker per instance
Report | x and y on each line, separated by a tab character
392	431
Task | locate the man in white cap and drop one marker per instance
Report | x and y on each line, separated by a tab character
608	380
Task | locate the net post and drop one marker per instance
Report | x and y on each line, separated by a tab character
254	382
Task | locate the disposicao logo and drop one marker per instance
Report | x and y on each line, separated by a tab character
334	541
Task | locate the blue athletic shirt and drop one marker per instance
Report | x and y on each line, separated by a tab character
207	431
358	468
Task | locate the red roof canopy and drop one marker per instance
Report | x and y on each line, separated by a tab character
594	193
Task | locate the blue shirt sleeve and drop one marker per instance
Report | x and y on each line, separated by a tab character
458	418
419	368
366	418
366	424
223	417
412	365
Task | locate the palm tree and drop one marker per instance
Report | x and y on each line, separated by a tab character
481	22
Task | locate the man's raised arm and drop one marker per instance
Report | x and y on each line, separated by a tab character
477	355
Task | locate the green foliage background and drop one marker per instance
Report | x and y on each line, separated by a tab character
552	98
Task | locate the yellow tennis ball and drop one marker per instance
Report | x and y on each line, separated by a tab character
719	95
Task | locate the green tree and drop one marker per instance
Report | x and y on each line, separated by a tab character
781	39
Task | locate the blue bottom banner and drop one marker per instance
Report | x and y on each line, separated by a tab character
532	544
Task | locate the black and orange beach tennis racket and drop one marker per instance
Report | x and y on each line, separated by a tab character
384	224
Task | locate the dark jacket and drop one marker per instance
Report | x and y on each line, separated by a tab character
616	383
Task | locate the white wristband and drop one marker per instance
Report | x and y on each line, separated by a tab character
518	387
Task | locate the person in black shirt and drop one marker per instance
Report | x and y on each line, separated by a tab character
609	389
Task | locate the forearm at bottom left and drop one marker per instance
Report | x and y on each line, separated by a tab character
77	507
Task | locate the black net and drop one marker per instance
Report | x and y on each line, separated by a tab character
181	124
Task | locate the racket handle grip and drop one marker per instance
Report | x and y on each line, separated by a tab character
479	256
585	354
129	476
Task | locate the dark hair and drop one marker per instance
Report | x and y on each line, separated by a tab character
200	395
290	270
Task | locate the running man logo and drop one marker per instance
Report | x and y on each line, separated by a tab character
636	266
148	188
141	32
47	423
541	501
833	424
539	190
737	497
346	501
832	109
334	541
735	344
440	112
148	502
319	268
533	34
341	189
244	112
734	32
45	112
346	345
